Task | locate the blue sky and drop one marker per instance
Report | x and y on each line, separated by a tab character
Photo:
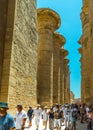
71	28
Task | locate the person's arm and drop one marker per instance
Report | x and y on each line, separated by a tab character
12	129
23	124
12	124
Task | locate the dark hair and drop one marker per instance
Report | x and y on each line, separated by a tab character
19	105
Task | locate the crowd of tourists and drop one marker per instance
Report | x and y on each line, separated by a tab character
57	116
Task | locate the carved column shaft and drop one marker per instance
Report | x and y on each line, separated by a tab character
3	16
91	43
61	76
57	90
48	22
66	87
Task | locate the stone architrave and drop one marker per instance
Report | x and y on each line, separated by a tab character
48	22
59	41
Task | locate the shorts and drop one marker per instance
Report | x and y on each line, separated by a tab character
57	122
37	120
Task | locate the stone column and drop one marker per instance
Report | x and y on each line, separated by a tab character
66	87
62	74
67	84
7	22
91	44
65	53
82	80
48	22
3	16
57	88
86	52
83	71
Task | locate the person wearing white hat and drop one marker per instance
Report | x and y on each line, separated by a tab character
45	117
37	114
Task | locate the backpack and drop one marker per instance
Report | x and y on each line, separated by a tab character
74	114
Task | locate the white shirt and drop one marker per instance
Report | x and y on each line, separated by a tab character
45	115
19	118
37	112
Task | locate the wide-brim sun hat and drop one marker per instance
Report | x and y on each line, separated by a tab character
38	105
45	107
66	105
3	105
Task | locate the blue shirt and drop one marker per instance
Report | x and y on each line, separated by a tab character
6	122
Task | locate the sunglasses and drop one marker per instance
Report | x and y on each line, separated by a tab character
1	109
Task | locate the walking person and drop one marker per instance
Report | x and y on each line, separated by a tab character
29	114
20	118
37	114
66	114
57	118
6	120
51	119
73	117
45	117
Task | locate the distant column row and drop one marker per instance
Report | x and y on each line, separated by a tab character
86	51
53	77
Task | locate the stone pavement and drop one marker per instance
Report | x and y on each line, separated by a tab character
80	126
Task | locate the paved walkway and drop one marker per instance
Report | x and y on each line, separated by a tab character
80	126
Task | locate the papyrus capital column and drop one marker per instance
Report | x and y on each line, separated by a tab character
58	43
66	80
91	43
48	22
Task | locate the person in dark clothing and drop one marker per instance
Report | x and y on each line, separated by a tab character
51	119
29	114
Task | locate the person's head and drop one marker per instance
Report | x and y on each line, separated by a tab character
19	107
38	105
45	107
3	108
30	107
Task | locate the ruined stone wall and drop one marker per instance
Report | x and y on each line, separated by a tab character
22	85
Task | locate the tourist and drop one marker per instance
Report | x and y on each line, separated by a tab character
57	118
37	114
20	118
73	117
6	120
45	117
66	113
51	119
29	114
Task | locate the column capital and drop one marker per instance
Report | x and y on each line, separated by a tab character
48	19
65	52
80	50
59	39
85	18
66	60
85	6
80	41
